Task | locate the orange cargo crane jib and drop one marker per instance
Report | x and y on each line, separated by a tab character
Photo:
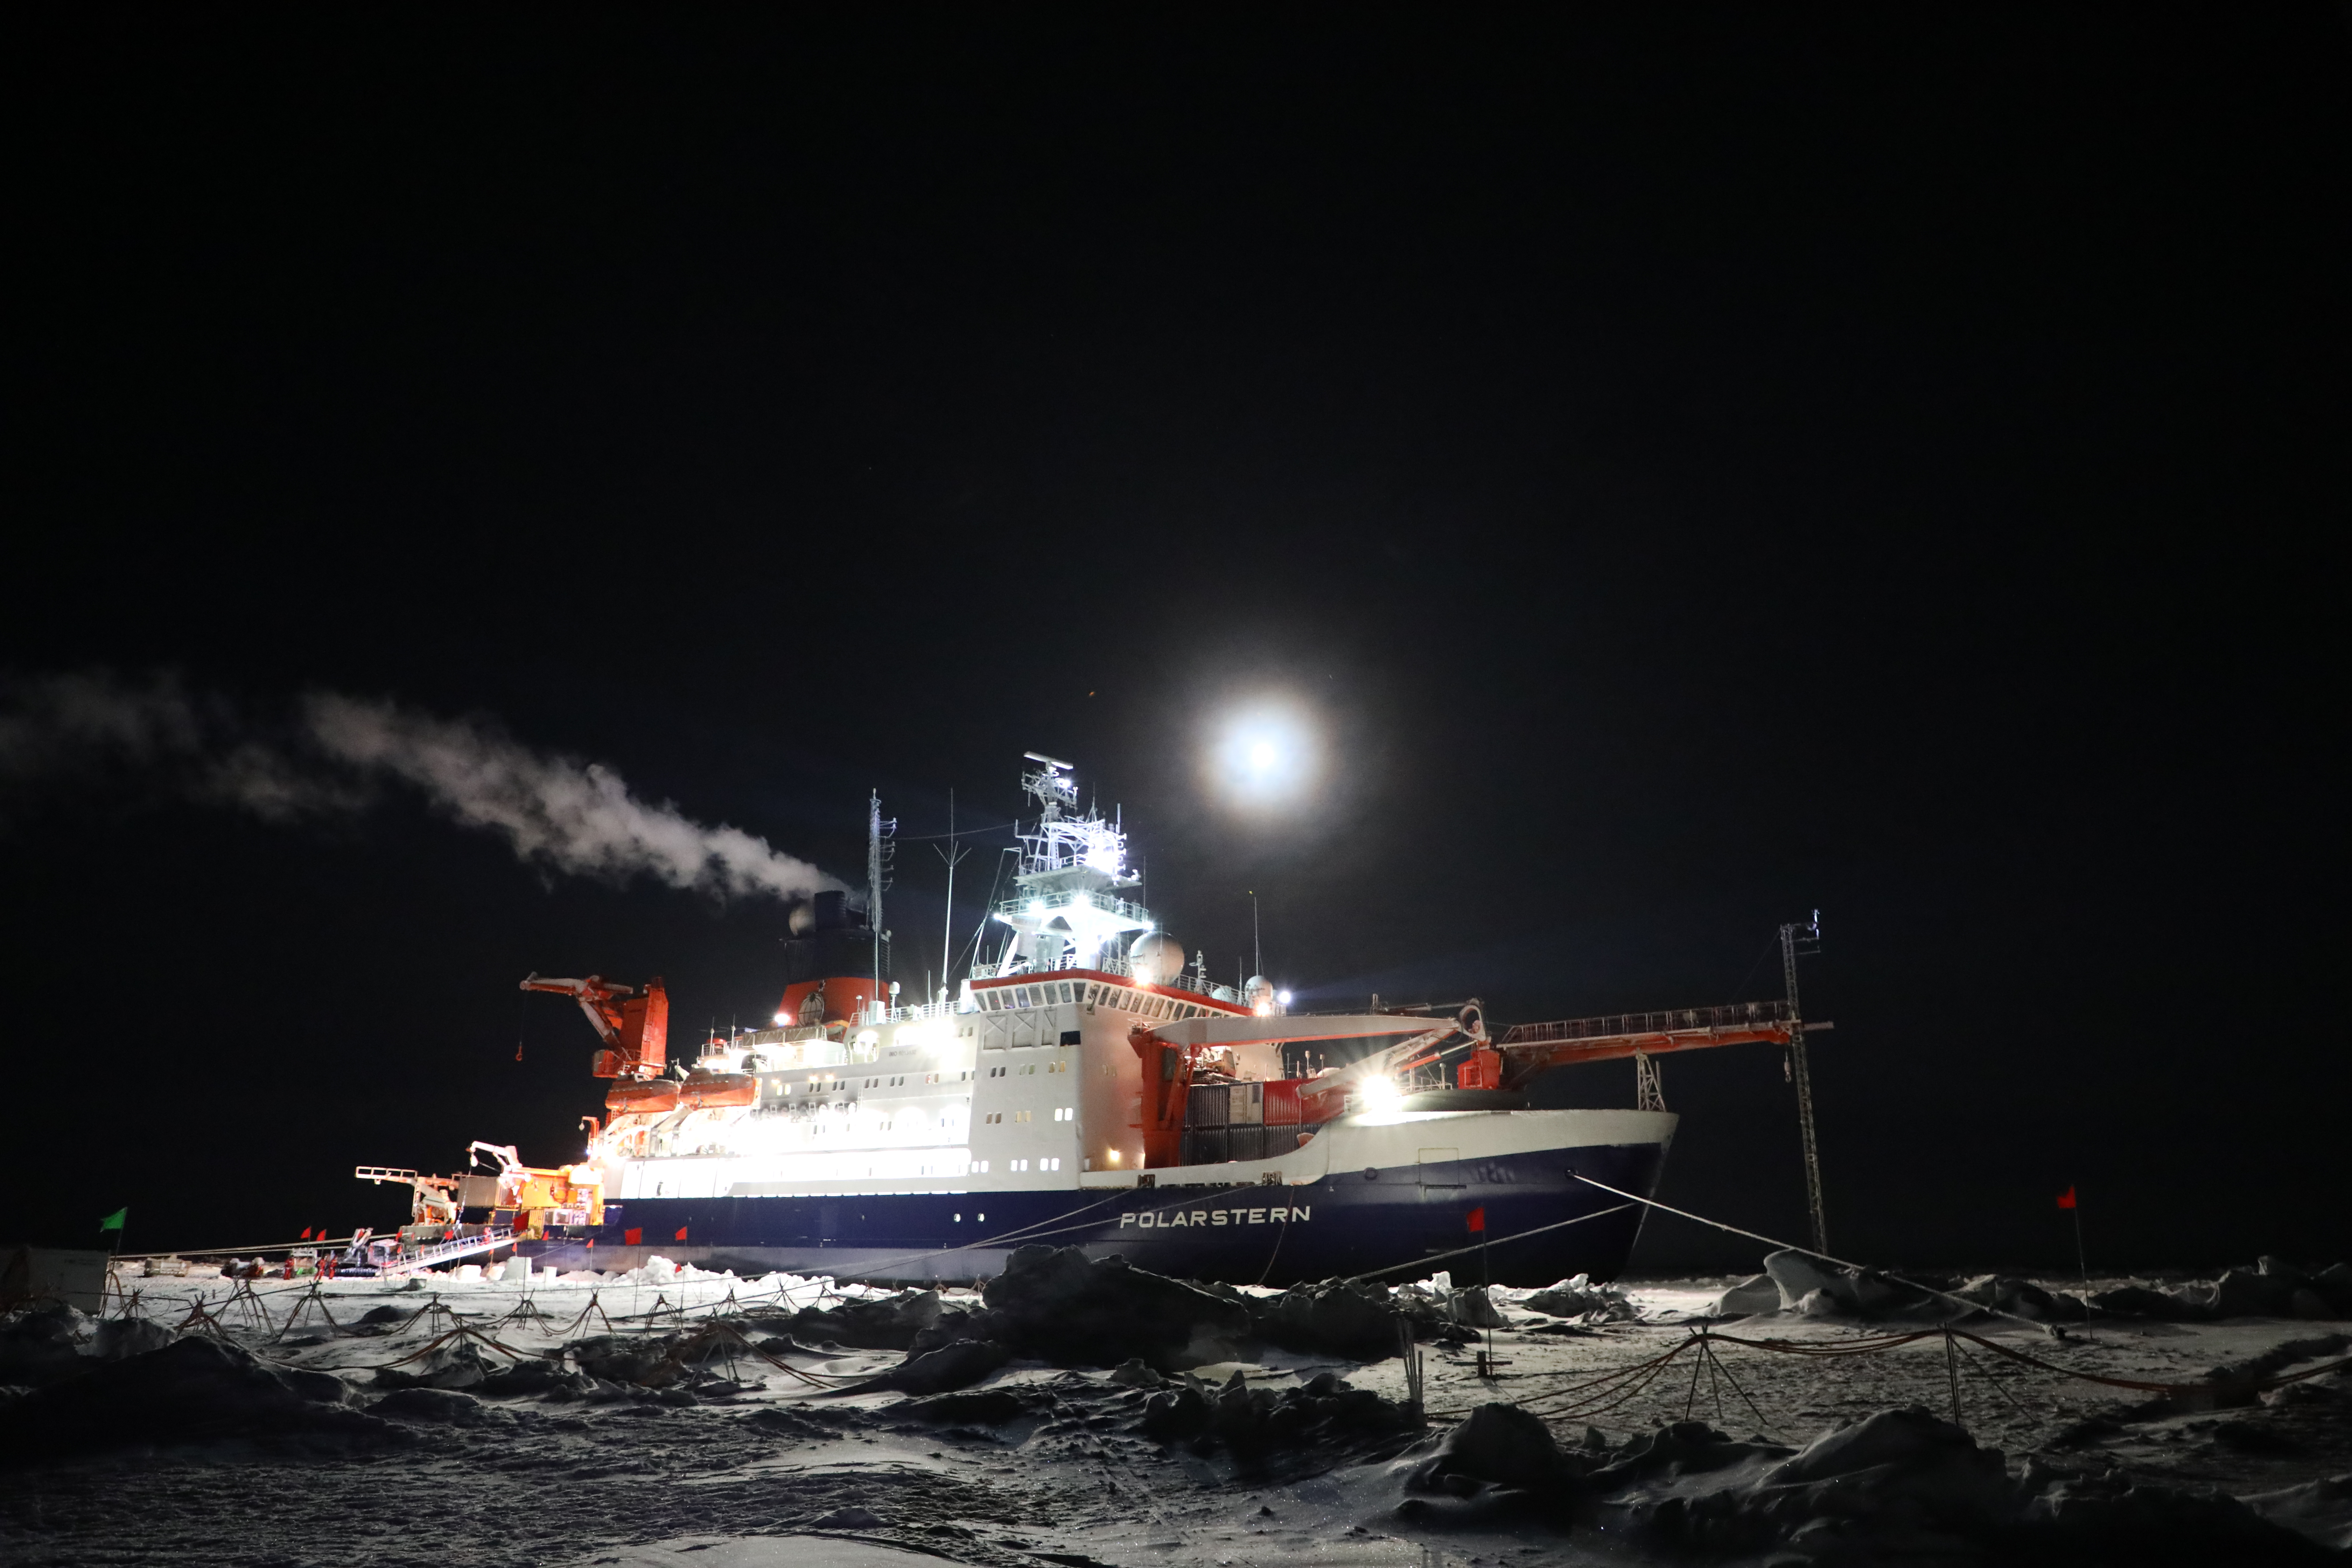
1530	1048
634	1029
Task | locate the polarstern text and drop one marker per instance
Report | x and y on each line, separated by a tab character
1162	1219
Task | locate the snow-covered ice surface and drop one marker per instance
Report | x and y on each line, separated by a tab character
779	1473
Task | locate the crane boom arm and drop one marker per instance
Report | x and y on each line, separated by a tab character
1399	1058
634	1024
594	996
1530	1048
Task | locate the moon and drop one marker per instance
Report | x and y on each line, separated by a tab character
1264	753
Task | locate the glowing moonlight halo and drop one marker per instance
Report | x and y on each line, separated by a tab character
1264	753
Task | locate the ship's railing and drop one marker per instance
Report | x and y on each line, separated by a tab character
1108	963
870	1017
798	1034
1736	1016
1093	898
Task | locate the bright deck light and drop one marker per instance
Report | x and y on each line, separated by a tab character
1380	1094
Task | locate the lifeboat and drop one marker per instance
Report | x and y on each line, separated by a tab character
656	1095
717	1091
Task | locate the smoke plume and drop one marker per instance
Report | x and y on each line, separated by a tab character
338	755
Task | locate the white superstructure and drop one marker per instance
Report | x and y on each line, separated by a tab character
1025	1078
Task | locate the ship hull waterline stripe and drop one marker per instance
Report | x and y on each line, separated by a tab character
1339	1226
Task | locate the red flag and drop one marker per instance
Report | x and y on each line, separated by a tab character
681	1234
2067	1198
1478	1217
633	1238
305	1235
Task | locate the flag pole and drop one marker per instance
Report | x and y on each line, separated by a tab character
1487	1287
2081	1267
2073	1204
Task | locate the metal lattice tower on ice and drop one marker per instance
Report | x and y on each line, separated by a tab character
1797	941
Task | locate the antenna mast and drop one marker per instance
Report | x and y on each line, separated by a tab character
1797	941
880	853
952	854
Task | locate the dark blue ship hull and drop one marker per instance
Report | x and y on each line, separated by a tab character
1400	1222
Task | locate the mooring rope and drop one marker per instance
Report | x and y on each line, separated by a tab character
1615	1387
1475	1245
1619	1384
2048	1328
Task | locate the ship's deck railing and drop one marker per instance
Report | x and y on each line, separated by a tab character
1737	1015
1093	898
866	1017
796	1035
1108	963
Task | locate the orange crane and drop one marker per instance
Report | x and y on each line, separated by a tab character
1529	1048
634	1029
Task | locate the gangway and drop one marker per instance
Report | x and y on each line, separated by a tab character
435	1254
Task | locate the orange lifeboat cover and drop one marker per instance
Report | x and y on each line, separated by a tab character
650	1095
709	1091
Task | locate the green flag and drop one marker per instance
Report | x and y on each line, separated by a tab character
114	1221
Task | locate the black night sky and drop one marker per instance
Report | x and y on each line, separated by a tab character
1692	471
